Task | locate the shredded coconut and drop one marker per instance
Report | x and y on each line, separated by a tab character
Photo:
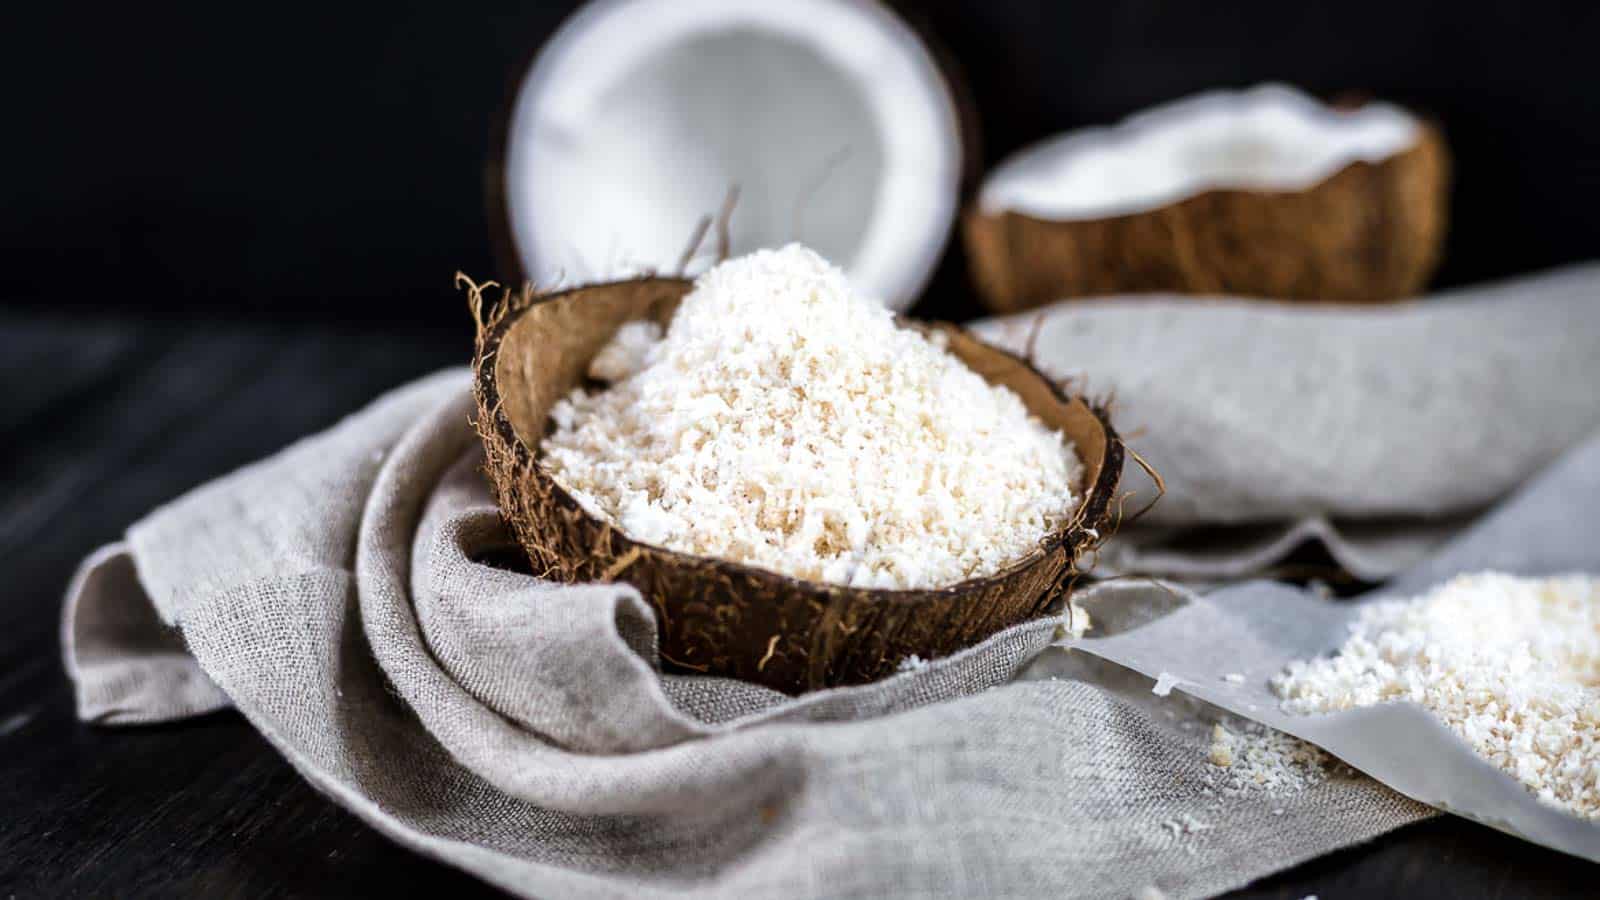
1183	827
784	422
1184	824
1510	664
1253	757
626	352
912	663
1165	682
1076	624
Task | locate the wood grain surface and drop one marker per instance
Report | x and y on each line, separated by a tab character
105	418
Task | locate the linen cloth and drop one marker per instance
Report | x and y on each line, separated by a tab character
521	730
1377	431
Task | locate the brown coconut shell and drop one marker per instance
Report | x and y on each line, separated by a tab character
1370	232
729	619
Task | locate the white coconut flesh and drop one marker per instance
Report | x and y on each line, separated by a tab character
829	116
1268	138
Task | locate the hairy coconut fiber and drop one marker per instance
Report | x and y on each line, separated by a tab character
1370	232
722	617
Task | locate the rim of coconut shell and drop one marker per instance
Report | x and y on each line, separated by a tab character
1314	141
1429	140
1090	524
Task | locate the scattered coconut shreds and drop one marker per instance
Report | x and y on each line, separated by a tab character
1185	826
1076	625
912	663
1221	753
1510	664
1252	757
784	422
1165	682
625	353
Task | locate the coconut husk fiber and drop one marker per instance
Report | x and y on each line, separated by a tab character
1370	232
728	619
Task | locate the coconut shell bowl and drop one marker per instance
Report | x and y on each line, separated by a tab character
720	617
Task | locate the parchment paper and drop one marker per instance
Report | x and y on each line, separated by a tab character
1552	526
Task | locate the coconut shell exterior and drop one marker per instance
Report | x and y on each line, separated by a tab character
734	620
1369	233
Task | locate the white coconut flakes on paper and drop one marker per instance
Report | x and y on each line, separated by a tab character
1511	665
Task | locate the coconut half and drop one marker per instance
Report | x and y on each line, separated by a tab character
830	118
1263	192
730	619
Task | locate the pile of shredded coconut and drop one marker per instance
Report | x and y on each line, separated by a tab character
784	422
1253	757
1510	664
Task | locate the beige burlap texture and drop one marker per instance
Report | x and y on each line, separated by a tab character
522	730
1377	432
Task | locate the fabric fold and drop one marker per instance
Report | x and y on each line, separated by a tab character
126	666
521	730
1377	431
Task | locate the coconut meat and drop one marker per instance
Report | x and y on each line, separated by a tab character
1267	138
829	117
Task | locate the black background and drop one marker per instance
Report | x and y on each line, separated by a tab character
327	160
222	226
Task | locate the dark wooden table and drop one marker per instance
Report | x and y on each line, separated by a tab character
105	418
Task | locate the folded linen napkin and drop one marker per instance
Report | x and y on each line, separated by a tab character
521	730
1377	431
